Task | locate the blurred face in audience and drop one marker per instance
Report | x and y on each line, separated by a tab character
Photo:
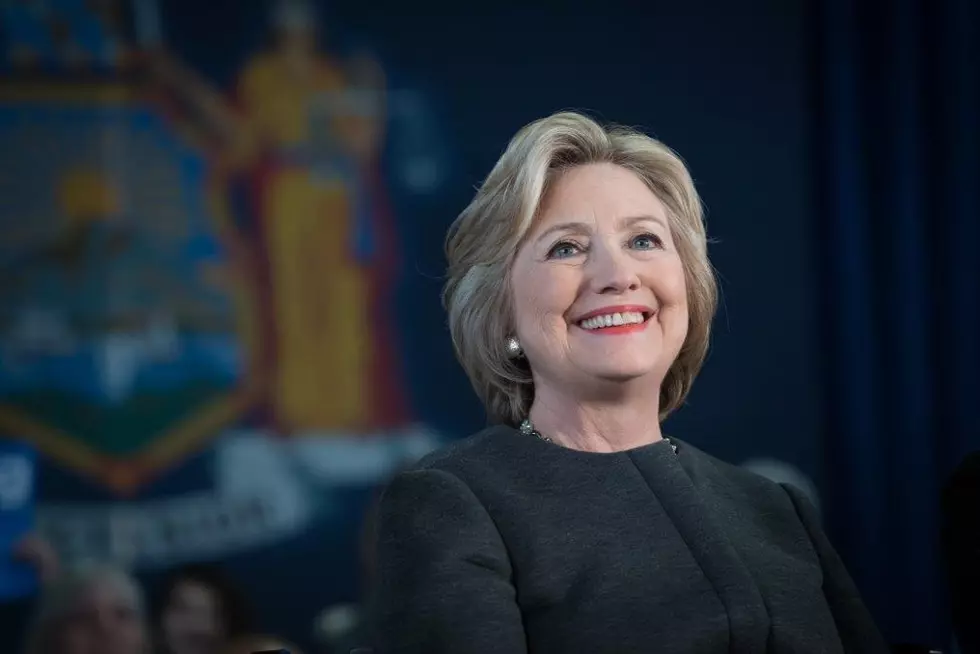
104	621
191	623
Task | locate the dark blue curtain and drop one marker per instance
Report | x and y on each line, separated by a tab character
899	235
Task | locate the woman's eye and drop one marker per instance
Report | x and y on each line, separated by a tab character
563	250
646	242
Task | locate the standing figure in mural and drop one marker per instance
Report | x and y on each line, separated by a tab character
310	198
300	155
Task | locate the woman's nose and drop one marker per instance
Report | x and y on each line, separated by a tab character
612	271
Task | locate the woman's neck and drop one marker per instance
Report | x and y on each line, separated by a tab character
610	424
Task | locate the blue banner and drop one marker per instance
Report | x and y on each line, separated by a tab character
17	497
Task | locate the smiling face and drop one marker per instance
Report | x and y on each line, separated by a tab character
598	286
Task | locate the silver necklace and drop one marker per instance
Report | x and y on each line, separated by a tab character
527	428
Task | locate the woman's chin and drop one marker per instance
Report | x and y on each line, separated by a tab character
624	374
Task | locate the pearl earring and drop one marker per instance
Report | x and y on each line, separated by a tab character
514	348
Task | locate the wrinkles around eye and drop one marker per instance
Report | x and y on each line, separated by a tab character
564	250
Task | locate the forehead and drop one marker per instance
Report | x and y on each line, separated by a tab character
598	192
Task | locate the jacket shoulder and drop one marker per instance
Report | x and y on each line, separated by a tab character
483	451
738	480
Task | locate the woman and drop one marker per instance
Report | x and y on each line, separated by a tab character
199	611
580	298
90	610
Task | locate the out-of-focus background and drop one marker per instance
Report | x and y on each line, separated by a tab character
221	259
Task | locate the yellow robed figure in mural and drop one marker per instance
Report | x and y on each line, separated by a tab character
305	130
290	98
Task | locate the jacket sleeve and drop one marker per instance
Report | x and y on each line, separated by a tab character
444	575
857	629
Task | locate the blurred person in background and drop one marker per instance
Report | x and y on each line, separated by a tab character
93	609
198	610
340	628
15	614
253	643
580	298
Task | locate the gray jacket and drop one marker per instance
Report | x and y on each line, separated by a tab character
506	543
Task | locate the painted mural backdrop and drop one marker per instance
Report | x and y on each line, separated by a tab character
195	309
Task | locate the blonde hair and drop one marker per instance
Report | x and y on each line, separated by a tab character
483	240
63	595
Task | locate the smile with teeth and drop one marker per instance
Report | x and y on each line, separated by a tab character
612	320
